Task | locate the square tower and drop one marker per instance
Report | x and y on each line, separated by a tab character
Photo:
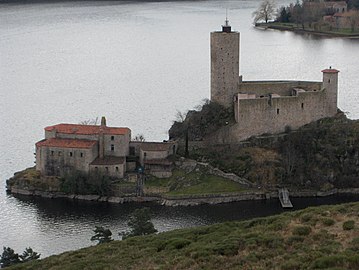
224	65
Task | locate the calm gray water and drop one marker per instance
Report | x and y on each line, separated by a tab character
137	64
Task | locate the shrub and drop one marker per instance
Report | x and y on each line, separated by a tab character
295	239
278	225
322	235
302	230
306	217
348	225
291	265
354	244
329	261
328	221
178	243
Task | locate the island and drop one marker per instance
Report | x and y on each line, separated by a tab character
250	141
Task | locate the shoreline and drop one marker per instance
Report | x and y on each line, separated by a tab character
184	200
304	31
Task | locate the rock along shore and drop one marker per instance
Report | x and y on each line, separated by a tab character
305	31
183	200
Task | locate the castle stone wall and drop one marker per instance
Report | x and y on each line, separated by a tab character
282	88
117	170
264	115
120	145
58	161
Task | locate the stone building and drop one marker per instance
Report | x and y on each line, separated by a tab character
264	106
96	148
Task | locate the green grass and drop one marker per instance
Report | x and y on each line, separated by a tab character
252	244
195	183
209	184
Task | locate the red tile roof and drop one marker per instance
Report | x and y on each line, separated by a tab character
155	146
66	143
330	70
87	129
108	161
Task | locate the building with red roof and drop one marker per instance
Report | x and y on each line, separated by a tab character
97	149
84	148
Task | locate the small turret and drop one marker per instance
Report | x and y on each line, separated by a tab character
226	27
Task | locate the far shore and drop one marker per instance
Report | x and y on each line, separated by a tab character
299	30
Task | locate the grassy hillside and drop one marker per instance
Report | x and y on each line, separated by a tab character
319	156
325	237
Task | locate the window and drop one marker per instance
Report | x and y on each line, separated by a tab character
132	151
116	169
112	138
277	111
52	153
302	105
96	168
329	81
106	168
81	154
112	147
70	154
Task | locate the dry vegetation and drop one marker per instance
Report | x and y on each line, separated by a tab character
320	156
313	238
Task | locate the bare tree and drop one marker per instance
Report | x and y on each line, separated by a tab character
139	138
89	121
180	116
265	12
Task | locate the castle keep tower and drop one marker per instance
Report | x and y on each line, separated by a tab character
330	84
224	65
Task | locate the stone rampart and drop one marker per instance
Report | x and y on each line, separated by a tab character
283	88
272	115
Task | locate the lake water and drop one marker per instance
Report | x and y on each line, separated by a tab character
138	64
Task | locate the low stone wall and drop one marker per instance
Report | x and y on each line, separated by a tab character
211	199
184	200
190	165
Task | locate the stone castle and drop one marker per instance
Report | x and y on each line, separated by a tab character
264	106
259	107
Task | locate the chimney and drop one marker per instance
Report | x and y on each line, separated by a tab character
101	142
103	121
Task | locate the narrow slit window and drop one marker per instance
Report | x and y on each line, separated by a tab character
52	153
70	154
277	111
112	147
302	105
81	154
116	169
112	138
